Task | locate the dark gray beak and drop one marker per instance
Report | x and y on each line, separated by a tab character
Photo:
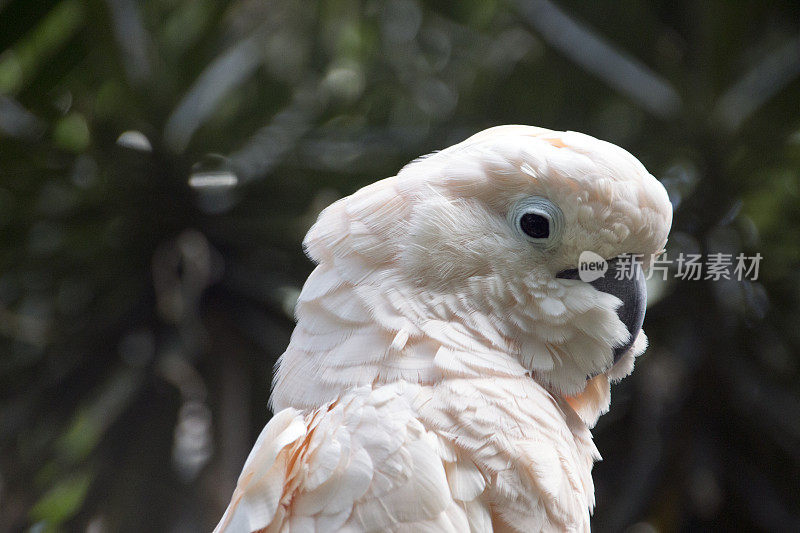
631	290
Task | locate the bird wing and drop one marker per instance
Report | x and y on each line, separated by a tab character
531	447
362	463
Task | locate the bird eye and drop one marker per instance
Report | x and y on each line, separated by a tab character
535	225
537	219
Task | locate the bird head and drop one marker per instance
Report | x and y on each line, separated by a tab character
467	262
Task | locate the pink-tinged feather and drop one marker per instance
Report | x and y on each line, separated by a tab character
437	377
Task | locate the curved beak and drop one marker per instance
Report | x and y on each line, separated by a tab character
631	289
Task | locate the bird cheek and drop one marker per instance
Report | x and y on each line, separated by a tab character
627	284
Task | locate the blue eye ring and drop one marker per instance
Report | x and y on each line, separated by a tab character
537	220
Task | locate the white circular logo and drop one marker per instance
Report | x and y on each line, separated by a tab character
591	266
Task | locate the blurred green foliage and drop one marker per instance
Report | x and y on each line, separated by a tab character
160	162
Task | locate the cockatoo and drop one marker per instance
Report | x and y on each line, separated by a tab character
448	360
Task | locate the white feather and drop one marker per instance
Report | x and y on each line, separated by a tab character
437	377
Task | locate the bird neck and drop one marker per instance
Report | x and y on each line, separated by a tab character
377	330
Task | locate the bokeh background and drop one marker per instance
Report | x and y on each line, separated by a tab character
160	162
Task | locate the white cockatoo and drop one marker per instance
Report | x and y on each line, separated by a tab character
448	360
